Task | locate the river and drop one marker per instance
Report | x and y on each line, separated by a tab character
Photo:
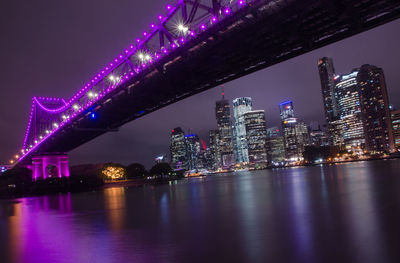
340	213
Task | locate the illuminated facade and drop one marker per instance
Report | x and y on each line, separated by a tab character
286	110
240	107
178	149
225	142
256	136
375	109
336	130
275	146
396	128
349	111
214	149
295	133
192	143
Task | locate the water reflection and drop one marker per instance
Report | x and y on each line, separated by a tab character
114	200
344	213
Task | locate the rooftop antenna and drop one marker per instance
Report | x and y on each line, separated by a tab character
223	92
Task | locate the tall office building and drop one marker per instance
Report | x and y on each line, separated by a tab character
396	128
214	149
256	135
286	110
295	133
192	143
225	142
240	107
178	149
275	146
327	77
302	136
349	111
375	109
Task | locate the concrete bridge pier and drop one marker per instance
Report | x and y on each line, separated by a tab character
50	166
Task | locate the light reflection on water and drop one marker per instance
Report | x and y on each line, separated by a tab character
343	213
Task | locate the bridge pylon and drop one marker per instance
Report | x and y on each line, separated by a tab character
50	166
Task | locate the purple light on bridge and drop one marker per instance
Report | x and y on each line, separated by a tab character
76	99
48	166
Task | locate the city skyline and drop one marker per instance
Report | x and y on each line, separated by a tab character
133	136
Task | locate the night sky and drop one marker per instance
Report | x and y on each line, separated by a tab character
51	48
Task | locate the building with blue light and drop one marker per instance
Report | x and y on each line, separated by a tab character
295	133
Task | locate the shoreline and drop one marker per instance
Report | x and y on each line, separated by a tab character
139	182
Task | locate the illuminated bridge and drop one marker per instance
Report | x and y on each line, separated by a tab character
192	46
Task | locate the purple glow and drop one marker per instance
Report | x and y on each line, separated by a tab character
41	166
107	71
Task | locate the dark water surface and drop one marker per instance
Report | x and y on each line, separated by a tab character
342	213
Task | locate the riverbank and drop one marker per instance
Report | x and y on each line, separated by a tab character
66	185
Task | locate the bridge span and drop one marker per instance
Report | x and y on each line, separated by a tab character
193	46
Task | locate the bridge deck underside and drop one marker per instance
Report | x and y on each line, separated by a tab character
252	39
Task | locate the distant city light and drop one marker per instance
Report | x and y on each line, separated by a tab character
113	172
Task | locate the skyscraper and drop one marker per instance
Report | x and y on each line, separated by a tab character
225	145
295	133
256	135
349	111
214	149
375	109
286	110
396	128
275	146
192	143
240	107
178	149
327	77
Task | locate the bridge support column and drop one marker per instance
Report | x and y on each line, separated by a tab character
50	166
